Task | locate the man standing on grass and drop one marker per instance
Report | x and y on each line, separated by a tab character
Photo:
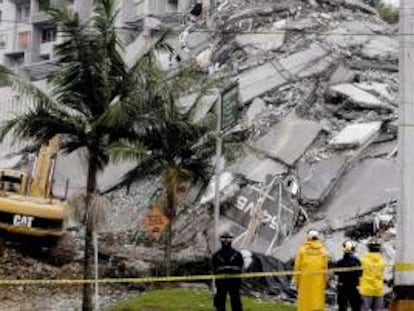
348	281
227	261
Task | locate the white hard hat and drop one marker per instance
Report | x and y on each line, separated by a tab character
349	246
313	234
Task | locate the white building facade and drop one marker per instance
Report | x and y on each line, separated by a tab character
27	36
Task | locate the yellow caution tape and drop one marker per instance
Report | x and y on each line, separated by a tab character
403	266
184	278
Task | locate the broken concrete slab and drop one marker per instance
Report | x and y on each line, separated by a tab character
288	140
258	11
302	24
226	180
387	149
227	224
341	74
359	97
288	250
378	89
263	41
350	33
203	108
113	174
204	105
256	107
258	81
381	48
366	187
356	4
315	60
68	181
255	167
185	103
355	135
318	179
193	44
134	51
204	58
371	64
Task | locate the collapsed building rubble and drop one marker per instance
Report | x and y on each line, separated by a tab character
317	96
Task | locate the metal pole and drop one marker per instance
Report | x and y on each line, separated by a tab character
404	280
217	175
95	249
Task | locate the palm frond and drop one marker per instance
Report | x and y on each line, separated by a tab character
128	151
42	123
29	91
91	69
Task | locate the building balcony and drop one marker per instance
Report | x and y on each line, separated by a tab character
40	70
46	48
40	17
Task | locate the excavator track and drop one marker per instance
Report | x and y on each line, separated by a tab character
62	252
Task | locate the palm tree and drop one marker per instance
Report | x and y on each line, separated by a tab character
165	141
90	87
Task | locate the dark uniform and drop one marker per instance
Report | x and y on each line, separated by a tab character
227	261
347	283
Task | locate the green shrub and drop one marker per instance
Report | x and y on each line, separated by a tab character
388	13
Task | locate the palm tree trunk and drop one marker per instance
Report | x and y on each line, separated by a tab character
168	249
87	267
170	179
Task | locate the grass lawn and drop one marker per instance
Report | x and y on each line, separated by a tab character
189	300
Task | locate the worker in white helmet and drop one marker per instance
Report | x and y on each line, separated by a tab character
348	281
311	265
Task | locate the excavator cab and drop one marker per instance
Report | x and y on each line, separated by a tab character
27	206
13	181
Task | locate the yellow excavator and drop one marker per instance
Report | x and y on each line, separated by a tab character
27	206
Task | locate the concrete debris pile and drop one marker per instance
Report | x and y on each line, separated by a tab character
318	89
24	262
317	93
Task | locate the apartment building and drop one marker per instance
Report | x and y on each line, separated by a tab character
27	36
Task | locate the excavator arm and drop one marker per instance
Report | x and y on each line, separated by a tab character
42	174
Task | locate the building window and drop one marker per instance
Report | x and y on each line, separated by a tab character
3	41
24	40
48	35
1	16
23	13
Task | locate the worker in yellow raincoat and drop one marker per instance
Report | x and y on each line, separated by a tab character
311	266
371	284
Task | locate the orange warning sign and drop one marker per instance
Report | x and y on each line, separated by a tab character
155	222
